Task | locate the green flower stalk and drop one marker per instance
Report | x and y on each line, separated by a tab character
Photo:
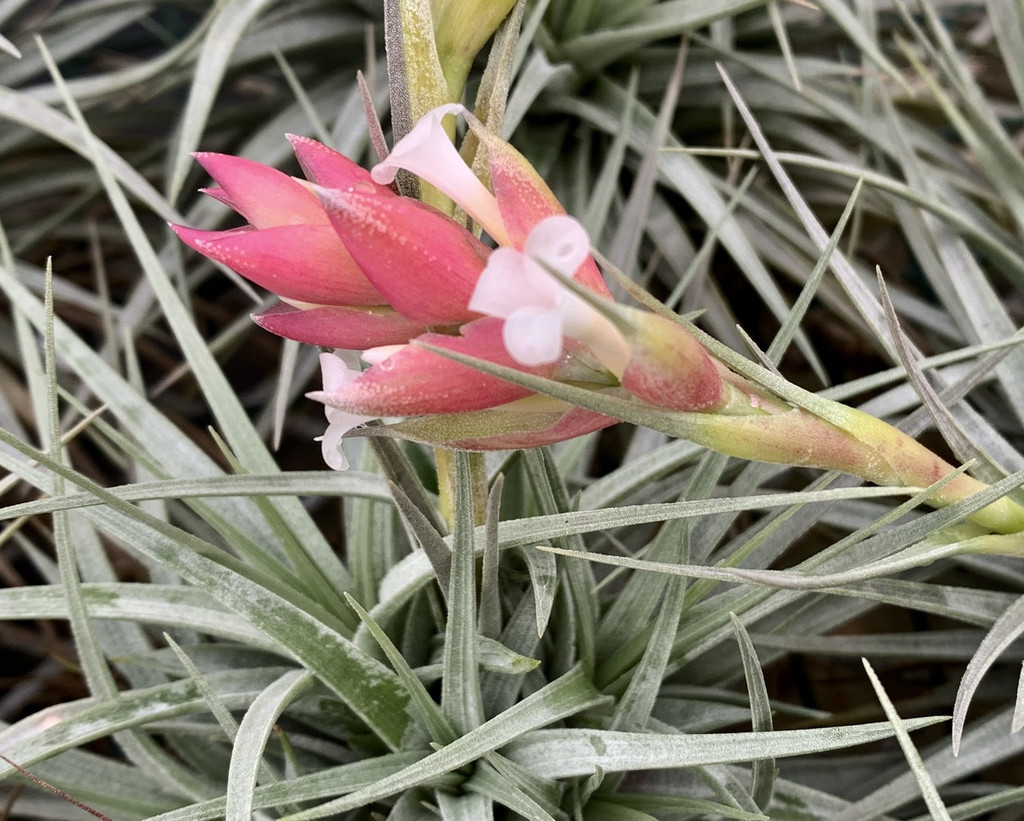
431	47
862	446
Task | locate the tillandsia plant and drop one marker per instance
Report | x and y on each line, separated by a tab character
507	607
417	296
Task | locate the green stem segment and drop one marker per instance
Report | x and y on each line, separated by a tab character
863	446
446	484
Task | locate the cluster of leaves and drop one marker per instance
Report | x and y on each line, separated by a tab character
227	661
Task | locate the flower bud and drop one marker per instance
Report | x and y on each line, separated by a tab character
461	27
668	367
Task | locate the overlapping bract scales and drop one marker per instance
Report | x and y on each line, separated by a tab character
360	268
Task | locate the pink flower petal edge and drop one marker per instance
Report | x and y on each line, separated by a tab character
415	381
263	195
332	169
340	326
306	263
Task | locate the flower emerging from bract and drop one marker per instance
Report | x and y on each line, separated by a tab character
523	288
336	373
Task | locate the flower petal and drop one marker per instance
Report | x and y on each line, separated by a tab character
263	195
220	195
559	242
533	336
427	151
306	263
423	262
332	169
511	281
331	441
336	373
538	309
352	329
377	354
416	381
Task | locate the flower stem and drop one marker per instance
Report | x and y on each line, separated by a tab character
445	460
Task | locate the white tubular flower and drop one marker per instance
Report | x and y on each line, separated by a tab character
428	152
537	309
336	372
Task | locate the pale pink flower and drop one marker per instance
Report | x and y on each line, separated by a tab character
336	372
523	287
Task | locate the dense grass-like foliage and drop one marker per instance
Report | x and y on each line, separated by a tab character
199	621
